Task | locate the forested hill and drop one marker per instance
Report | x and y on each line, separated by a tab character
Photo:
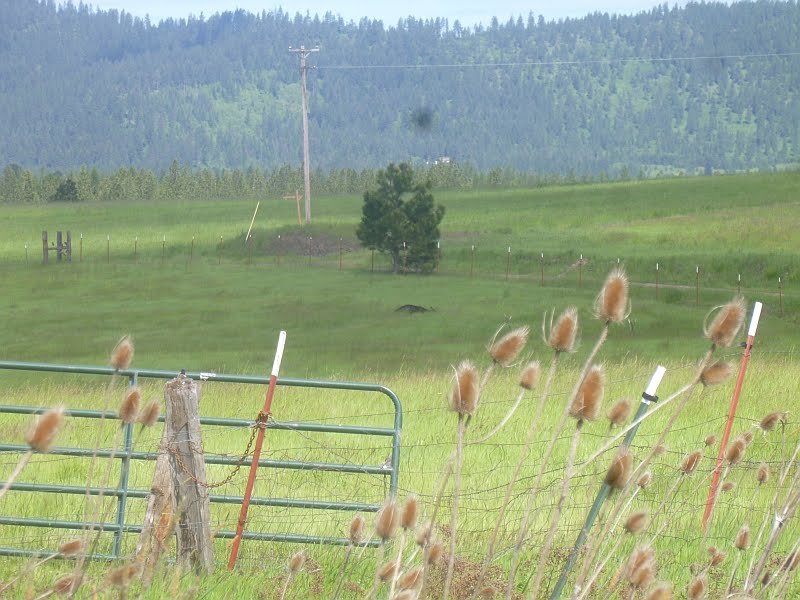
708	86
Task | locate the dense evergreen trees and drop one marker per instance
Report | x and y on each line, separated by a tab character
700	88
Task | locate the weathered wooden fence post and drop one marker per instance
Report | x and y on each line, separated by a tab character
158	520
183	443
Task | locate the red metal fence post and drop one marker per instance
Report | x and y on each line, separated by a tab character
261	423
712	492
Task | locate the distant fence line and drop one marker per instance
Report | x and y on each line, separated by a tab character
547	270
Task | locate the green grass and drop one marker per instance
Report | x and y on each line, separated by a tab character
211	308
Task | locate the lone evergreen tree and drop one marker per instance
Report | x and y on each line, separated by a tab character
400	217
67	191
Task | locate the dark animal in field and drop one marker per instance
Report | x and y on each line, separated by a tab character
413	309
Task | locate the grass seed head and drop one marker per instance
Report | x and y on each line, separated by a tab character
735	451
122	355
726	324
717	373
697	588
763	473
387	571
690	462
663	591
45	428
619	472
710	440
769	422
636	522
611	304
565	331
71	548
408	520
387	520
357	530
297	561
410	580
149	414
464	395
506	349
585	406
129	408
742	539
645	479
530	375
620	412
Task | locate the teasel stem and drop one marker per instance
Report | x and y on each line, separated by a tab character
23	462
376	581
526	519
599	569
532	429
545	553
786	513
451	559
342	570
788	567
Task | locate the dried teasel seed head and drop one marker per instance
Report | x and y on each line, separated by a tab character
121	577
387	520
563	334
697	588
506	349
71	548
728	486
726	324
530	375
122	354
435	553
640	557
710	440
636	522
297	561
611	304
690	462
742	539
45	428
408	519
619	472
715	556
66	584
357	530
423	534
769	422
405	595
410	580
663	591
129	408
487	593
659	450
717	373
387	571
619	413
149	414
643	575
585	406
464	395
748	437
735	451
763	473
645	479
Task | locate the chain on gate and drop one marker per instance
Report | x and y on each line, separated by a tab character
260	423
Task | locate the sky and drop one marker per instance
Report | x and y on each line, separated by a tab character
468	12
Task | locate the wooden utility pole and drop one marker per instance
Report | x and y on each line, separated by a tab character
303	53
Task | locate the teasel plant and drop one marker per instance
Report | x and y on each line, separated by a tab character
612	305
561	338
733	455
408	522
68	549
296	563
40	438
355	538
386	523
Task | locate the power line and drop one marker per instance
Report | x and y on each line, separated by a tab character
561	63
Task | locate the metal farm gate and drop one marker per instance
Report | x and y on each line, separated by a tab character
126	454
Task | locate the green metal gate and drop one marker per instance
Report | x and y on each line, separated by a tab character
122	492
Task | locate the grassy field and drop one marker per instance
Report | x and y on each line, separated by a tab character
206	305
